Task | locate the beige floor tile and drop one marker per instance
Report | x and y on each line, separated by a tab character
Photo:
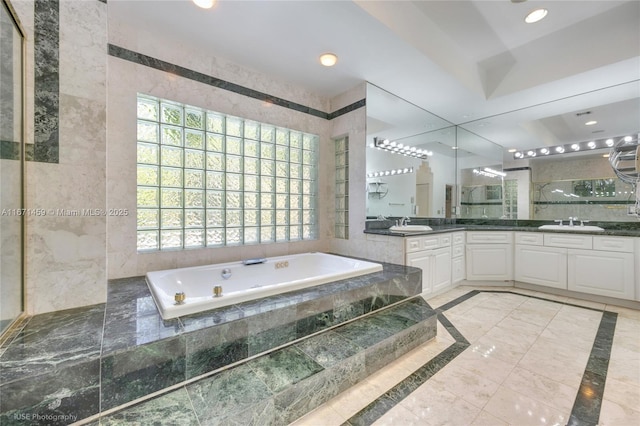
486	419
624	394
550	296
625	370
324	415
541	388
485	365
535	311
354	399
516	408
398	415
509	352
561	363
471	328
466	384
435	406
613	414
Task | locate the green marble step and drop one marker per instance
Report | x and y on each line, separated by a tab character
283	385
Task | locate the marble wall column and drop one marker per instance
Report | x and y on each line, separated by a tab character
66	136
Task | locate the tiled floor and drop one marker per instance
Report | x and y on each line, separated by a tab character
528	361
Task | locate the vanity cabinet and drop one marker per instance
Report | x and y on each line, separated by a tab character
432	254
601	265
537	264
489	255
605	273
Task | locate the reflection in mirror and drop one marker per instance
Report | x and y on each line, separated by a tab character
399	185
585	187
485	190
613	111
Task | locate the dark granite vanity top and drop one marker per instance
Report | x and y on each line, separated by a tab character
622	229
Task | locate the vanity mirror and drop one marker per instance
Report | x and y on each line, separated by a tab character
547	185
400	184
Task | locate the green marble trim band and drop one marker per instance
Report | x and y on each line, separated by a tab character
46	81
141	59
9	150
598	202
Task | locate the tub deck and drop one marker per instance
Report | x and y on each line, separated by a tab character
108	355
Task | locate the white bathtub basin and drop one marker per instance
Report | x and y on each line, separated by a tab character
248	282
575	228
410	228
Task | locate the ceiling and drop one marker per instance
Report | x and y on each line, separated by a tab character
474	63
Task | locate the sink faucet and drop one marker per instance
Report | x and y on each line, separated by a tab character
571	219
404	221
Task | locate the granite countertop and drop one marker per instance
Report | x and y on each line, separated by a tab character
438	229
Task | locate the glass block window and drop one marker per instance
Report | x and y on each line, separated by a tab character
342	188
207	179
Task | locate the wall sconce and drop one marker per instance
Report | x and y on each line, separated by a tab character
399	148
571	147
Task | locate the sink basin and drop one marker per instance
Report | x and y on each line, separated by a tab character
575	228
410	228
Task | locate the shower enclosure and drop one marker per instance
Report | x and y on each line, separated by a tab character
11	167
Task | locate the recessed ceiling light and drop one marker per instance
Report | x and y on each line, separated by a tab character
535	16
328	59
512	150
205	4
590	123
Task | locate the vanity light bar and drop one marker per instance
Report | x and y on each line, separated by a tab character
399	148
390	172
571	147
489	173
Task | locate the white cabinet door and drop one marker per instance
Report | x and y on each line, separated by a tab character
601	272
422	260
541	265
486	262
441	268
457	269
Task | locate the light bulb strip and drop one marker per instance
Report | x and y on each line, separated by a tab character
399	148
394	172
489	173
571	147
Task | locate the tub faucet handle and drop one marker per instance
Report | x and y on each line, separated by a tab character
226	273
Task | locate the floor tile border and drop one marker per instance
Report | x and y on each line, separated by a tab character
588	402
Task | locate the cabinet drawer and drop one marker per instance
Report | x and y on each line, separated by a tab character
458	238
428	243
489	237
444	240
613	244
568	241
457	251
530	238
413	244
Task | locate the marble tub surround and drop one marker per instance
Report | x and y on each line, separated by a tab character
86	360
143	354
279	387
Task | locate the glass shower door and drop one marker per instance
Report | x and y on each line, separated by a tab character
11	168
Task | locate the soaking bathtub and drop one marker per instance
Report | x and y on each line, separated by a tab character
247	282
